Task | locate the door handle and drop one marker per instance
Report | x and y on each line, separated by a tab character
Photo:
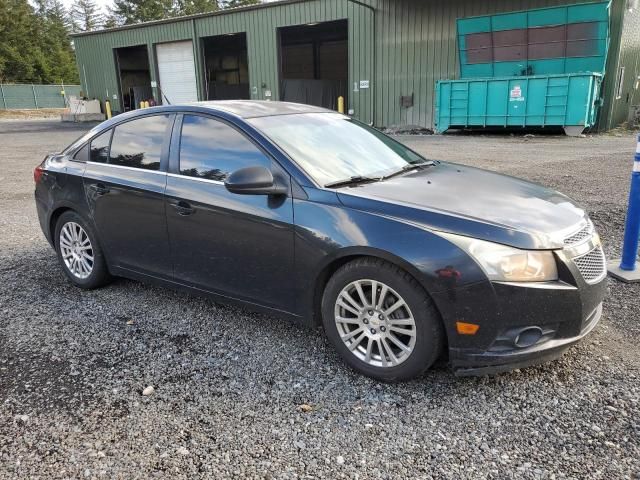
183	208
99	188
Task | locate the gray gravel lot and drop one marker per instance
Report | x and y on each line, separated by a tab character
229	384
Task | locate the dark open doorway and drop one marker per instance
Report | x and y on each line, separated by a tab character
226	67
134	76
314	63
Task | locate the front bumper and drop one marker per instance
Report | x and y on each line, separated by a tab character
488	362
549	316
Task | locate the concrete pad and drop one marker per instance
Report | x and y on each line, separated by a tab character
83	117
627	276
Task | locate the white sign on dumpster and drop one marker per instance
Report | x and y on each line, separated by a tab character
515	95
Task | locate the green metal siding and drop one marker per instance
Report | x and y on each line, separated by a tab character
96	60
630	59
411	44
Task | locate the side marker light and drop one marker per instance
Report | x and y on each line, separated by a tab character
467	328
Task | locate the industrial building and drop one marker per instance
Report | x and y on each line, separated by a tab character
383	56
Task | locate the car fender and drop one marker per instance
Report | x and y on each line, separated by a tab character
328	235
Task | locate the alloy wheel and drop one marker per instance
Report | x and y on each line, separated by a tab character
76	250
375	323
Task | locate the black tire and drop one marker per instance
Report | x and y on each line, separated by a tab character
429	332
99	275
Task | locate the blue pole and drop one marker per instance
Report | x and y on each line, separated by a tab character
632	227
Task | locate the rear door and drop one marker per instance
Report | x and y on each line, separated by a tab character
124	184
240	246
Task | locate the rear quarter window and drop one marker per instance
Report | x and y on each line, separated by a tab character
99	150
82	154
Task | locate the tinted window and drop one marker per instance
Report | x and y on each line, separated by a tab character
100	148
211	149
138	143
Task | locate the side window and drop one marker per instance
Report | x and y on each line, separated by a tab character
212	149
82	155
138	143
99	151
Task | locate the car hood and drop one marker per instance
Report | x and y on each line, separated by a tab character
474	202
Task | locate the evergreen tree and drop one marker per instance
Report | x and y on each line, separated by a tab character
34	43
110	21
110	18
126	12
136	11
86	16
56	45
240	3
18	28
192	7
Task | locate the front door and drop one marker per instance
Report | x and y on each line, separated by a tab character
239	246
124	185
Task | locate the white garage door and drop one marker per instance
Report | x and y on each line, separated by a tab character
177	72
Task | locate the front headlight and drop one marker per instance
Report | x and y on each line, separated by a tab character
508	264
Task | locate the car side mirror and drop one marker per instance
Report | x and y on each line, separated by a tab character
255	180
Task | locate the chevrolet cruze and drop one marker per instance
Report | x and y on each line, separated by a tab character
308	214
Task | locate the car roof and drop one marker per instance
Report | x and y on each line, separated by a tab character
243	109
259	108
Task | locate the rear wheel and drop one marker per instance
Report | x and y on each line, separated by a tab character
381	321
79	252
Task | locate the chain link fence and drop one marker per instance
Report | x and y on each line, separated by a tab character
24	96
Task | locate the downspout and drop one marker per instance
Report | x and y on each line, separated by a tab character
612	94
196	60
374	60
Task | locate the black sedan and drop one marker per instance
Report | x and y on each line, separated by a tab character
308	214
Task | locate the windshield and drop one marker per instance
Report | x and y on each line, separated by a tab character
332	148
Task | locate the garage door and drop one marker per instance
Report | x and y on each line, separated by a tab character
177	72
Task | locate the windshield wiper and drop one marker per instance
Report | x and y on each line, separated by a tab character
408	168
352	181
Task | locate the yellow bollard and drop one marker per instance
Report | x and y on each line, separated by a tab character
341	104
146	104
141	104
107	109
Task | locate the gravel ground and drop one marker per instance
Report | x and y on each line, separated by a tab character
242	395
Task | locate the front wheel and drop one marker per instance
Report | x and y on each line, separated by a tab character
381	321
79	252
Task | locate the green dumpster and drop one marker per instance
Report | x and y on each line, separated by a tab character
570	101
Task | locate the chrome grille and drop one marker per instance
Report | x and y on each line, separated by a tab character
580	235
592	265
